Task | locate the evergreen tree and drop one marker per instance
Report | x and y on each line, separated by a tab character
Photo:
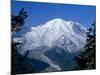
87	59
20	64
18	21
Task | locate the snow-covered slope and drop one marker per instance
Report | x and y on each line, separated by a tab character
54	41
64	34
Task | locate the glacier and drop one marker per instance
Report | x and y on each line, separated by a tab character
56	42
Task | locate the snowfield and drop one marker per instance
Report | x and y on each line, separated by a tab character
54	43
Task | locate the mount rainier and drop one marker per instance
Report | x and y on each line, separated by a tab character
55	43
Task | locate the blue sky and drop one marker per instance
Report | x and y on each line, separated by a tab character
40	13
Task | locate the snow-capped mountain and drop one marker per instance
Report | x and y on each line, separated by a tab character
54	42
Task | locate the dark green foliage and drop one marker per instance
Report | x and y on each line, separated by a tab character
87	59
19	63
18	21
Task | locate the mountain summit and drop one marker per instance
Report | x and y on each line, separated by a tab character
67	35
54	42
